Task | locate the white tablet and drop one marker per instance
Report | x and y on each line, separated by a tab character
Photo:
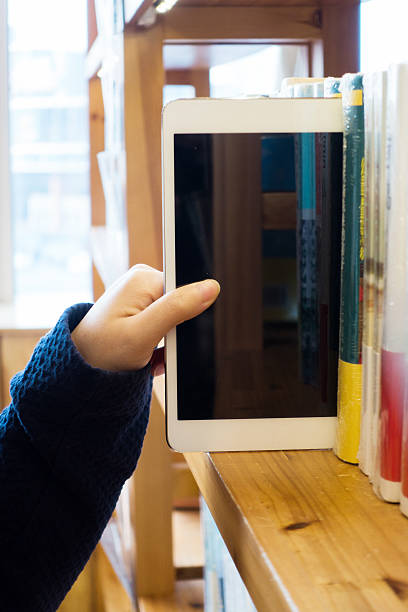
252	197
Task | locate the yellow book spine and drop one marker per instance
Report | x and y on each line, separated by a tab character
349	410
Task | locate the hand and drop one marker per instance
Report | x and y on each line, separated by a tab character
124	326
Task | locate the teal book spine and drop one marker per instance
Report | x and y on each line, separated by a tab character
353	220
352	265
307	249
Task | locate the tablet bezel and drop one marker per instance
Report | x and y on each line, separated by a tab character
263	115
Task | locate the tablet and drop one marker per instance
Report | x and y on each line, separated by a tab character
252	192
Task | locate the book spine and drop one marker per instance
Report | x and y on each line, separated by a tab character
213	570
307	248
287	89
395	323
323	256
331	219
364	453
404	449
392	402
380	193
331	87
352	257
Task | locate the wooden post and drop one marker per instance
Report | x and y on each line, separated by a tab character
199	78
144	80
341	35
150	488
96	144
151	510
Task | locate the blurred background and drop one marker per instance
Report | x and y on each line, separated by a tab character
49	203
82	85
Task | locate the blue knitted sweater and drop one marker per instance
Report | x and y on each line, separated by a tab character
68	441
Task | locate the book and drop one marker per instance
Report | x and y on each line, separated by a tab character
224	589
319	198
331	251
331	87
278	233
305	154
380	196
352	258
368	374
404	451
395	319
288	84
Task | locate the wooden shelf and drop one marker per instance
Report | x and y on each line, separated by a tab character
306	531
188	596
188	547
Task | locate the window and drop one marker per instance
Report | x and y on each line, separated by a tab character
231	69
6	285
259	71
48	124
383	33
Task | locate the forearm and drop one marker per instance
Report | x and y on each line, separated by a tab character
69	440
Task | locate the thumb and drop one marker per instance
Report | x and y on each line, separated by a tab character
175	307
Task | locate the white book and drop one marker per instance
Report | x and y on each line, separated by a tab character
367	407
380	193
395	321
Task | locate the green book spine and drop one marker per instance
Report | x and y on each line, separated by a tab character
353	220
352	263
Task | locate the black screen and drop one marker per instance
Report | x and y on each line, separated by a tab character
261	213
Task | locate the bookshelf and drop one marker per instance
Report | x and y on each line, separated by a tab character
330	29
305	531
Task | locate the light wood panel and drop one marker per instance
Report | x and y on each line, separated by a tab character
150	507
188	544
83	595
185	23
111	596
96	144
16	347
198	78
98	588
188	597
144	79
184	487
305	531
134	10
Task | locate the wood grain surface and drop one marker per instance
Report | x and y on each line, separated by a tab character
306	531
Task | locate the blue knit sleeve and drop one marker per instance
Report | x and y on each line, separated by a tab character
68	441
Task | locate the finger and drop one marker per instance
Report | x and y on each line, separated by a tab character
139	287
173	308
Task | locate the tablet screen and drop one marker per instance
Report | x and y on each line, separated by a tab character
261	213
